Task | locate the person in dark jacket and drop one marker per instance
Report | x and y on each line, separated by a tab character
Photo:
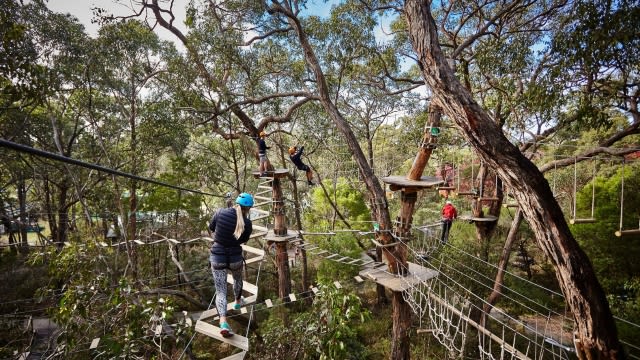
231	228
262	154
295	155
449	213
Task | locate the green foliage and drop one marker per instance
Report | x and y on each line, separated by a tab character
327	331
613	258
348	199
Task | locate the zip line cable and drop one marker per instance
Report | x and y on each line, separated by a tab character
68	160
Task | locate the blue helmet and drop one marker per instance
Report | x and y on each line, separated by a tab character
245	199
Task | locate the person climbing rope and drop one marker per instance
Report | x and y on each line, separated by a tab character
231	228
262	154
449	213
295	155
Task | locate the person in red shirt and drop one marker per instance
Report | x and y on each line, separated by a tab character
449	213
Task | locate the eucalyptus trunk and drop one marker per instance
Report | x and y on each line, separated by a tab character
596	332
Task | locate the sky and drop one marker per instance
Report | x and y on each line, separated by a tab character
82	10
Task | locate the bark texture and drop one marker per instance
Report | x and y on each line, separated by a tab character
596	329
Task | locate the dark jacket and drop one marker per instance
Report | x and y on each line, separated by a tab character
262	146
296	158
226	248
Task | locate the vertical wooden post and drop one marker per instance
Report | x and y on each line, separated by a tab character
401	348
279	217
280	229
429	140
284	275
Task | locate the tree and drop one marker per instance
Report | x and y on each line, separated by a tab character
596	330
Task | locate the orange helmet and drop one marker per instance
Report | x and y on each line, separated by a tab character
292	150
263	134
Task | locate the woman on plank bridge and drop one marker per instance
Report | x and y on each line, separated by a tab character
231	228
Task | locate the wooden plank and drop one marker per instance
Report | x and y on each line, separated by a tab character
248	287
254	260
259	228
256	234
236	340
253	250
260	211
208	313
487	218
269	303
582	221
238	356
290	235
621	233
402	181
277	173
417	274
262	197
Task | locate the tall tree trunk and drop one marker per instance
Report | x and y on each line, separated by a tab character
303	252
132	251
401	347
63	215
23	219
596	330
402	310
379	209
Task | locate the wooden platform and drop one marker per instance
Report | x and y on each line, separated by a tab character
291	235
416	275
486	218
276	174
400	182
236	340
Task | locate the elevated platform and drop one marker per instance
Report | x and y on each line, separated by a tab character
275	174
417	274
486	218
399	182
289	236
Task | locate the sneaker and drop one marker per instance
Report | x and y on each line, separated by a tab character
225	330
238	305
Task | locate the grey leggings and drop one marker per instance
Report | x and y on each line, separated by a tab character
220	282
